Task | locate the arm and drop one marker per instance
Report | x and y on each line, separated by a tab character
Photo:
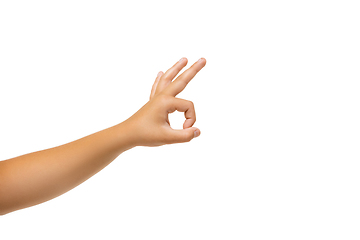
37	177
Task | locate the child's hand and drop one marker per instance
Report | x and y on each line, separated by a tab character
150	125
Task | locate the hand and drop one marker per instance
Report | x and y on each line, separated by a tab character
150	125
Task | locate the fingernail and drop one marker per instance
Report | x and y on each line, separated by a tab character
200	60
159	73
196	133
181	60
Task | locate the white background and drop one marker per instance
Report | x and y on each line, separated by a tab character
277	104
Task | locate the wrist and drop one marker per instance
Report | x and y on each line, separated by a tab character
125	138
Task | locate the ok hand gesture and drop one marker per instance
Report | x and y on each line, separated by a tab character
150	125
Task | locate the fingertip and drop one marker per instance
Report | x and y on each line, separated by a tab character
197	132
183	60
202	60
188	123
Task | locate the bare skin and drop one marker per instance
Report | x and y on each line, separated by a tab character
37	177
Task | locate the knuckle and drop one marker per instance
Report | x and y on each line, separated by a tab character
192	105
188	137
166	77
181	83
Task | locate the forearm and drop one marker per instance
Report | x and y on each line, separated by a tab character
40	176
36	177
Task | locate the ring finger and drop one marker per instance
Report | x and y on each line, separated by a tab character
170	74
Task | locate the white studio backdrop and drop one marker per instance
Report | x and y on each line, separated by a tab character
277	103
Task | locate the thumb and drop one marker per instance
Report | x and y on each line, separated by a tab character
184	135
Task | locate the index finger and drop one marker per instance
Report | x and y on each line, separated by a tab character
176	86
